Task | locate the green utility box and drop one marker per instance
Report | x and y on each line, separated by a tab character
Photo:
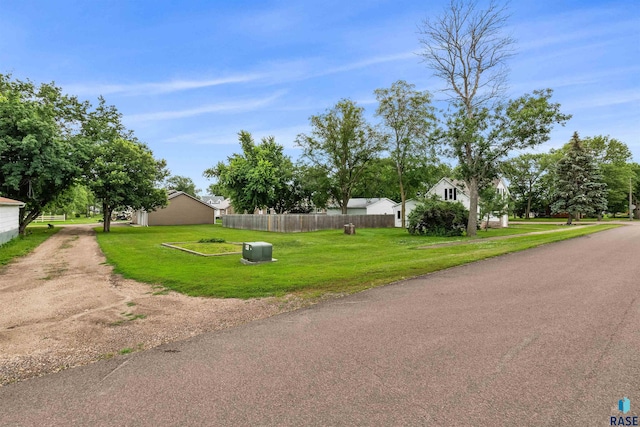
257	251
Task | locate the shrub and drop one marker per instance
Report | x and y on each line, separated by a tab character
435	217
211	240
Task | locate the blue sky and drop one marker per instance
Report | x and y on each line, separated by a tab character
189	75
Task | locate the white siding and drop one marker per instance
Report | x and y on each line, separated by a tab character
9	222
397	209
381	207
445	184
9	218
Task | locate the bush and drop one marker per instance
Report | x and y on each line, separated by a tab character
211	240
435	217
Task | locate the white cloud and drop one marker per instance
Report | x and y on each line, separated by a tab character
156	88
223	107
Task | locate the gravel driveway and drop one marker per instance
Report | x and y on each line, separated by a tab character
62	306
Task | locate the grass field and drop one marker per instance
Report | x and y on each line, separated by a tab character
309	264
21	246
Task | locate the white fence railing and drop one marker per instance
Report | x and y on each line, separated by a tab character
50	218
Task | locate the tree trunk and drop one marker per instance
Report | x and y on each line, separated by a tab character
472	224
528	211
25	220
106	212
403	200
570	219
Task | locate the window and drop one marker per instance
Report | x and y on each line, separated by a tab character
398	214
451	194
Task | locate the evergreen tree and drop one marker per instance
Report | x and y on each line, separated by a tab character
579	186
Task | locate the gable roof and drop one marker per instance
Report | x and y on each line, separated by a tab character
11	202
175	194
212	199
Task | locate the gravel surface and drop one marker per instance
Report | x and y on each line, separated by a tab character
62	306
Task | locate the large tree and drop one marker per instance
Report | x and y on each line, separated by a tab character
614	159
341	143
126	175
579	185
182	183
258	178
43	151
466	48
408	119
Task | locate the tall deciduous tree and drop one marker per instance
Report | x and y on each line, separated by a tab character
125	174
182	183
342	143
613	157
466	48
579	185
43	151
408	117
258	178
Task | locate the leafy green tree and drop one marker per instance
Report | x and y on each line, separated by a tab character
126	175
435	217
216	189
43	151
524	173
258	178
492	203
579	185
75	200
613	158
342	143
182	183
408	118
465	48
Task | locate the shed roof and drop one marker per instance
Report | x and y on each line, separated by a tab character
10	202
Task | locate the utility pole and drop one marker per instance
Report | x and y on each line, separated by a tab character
631	206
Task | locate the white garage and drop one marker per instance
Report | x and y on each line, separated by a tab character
9	219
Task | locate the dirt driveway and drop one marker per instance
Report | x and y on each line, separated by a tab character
62	306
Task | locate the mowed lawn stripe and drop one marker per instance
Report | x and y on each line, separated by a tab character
308	263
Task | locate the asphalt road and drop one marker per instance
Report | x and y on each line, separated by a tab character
549	336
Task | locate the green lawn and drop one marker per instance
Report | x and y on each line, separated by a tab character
82	220
21	246
309	264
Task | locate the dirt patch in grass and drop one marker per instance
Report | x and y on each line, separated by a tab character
63	306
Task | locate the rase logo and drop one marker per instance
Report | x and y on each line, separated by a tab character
624	406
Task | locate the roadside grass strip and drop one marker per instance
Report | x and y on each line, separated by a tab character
310	264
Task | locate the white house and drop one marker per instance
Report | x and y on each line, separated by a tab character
9	219
452	190
219	203
363	206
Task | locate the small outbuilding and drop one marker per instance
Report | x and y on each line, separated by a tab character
9	219
363	206
182	209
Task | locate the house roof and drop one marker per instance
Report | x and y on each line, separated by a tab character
212	199
407	202
10	202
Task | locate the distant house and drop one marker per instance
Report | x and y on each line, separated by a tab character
221	205
363	206
452	190
9	219
182	209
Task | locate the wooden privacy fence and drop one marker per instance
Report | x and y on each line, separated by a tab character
300	223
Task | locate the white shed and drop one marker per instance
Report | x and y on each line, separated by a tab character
9	219
397	212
